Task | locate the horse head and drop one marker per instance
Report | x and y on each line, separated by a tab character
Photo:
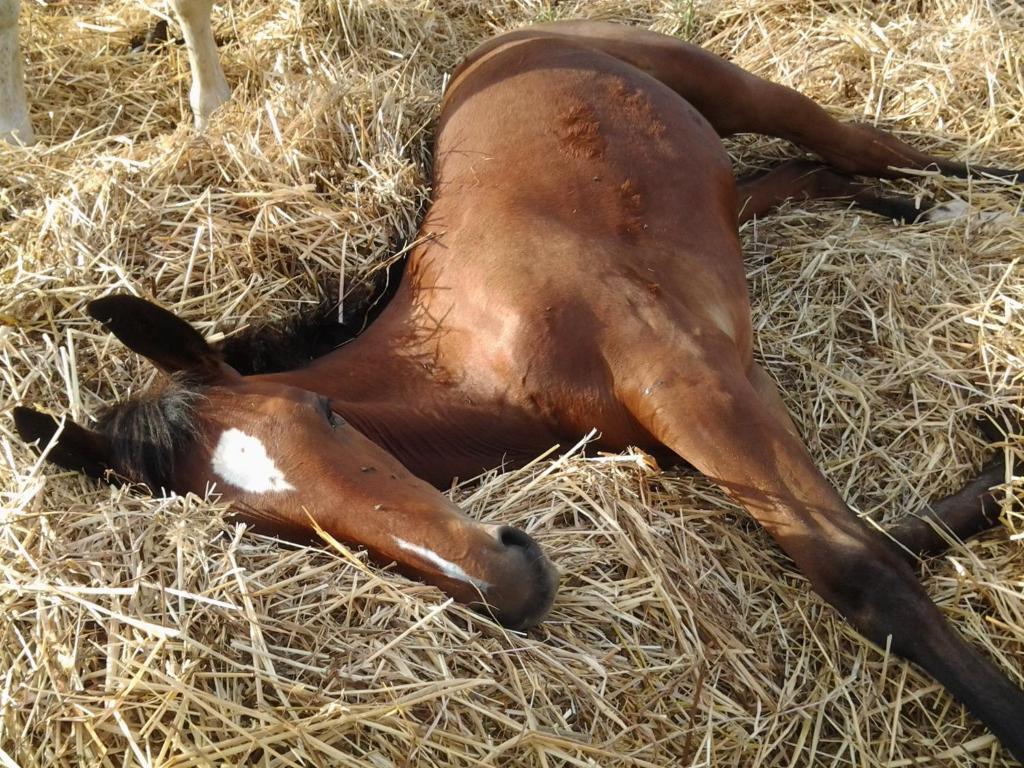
290	464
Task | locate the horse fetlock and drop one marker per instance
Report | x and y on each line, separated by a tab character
17	131
207	94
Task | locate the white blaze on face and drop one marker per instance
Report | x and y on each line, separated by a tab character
448	568
242	461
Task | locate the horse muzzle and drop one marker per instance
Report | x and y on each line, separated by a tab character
524	581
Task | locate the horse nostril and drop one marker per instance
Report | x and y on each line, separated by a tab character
513	537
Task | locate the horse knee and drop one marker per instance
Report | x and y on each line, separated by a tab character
192	9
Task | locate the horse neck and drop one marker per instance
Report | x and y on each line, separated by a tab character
383	382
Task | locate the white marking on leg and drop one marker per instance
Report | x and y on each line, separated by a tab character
448	568
209	86
956	209
14	123
242	461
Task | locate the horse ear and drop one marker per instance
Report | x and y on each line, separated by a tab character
78	449
167	340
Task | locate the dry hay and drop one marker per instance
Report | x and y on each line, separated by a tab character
147	631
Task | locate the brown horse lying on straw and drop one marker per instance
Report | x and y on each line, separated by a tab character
579	268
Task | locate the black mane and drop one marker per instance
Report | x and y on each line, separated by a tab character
274	347
315	331
147	434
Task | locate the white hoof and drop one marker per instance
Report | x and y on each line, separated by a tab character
956	209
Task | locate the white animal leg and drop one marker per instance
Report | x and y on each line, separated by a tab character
955	209
14	123
209	86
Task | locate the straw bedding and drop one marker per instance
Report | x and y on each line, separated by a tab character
143	631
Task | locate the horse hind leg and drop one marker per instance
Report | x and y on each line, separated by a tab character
15	126
810	180
853	148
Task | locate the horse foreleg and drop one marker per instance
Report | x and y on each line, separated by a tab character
961	515
703	407
735	101
15	126
970	511
209	86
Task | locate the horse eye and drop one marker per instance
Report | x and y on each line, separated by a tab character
332	418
